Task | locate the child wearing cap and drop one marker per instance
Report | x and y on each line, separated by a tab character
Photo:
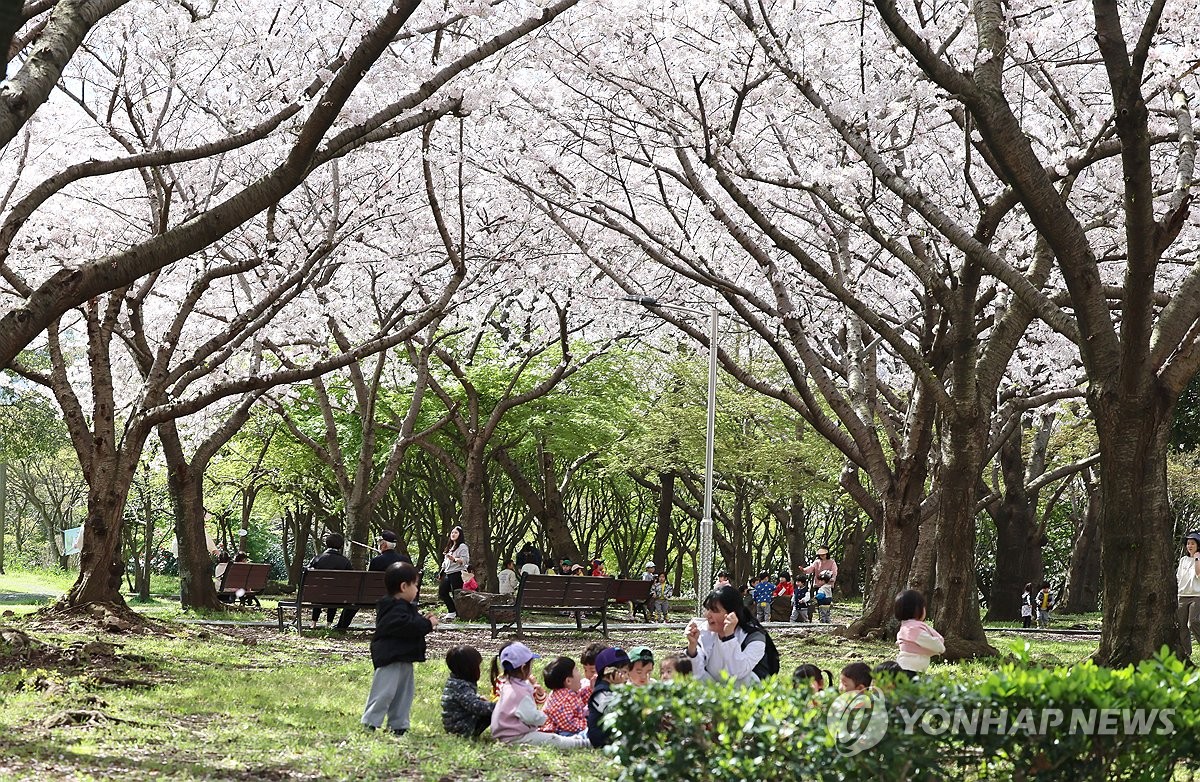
516	718
641	665
566	707
399	642
612	668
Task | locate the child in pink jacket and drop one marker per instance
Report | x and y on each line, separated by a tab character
917	640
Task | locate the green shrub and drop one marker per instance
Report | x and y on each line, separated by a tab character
776	731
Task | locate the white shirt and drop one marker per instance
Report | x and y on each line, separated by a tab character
1185	576
714	656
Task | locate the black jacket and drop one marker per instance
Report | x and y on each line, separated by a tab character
602	695
388	558
331	559
399	633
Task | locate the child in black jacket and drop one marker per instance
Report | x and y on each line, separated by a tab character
399	641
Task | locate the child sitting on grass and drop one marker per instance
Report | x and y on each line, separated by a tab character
612	669
399	641
856	677
588	661
516	718
566	706
811	675
464	712
916	640
676	666
641	665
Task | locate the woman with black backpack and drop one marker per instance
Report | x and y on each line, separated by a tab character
732	644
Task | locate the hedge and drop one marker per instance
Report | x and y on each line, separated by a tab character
777	731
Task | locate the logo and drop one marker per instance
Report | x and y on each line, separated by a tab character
857	721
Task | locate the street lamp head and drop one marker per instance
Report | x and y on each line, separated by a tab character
645	301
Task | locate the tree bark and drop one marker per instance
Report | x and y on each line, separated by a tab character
662	532
1139	590
185	483
1018	537
1082	593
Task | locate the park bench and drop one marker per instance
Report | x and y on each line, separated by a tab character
243	580
334	589
635	592
554	594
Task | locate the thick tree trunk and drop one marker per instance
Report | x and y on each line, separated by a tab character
196	589
1082	594
954	603
1018	539
898	534
853	539
795	533
101	564
474	519
1136	543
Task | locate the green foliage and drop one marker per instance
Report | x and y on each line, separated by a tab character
777	731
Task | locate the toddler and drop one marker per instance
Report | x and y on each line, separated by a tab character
399	641
675	666
1027	607
762	597
516	718
824	595
660	593
1044	604
566	707
813	676
641	665
856	677
588	661
800	600
917	640
612	667
464	713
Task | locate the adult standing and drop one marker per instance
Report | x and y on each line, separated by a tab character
1188	577
822	563
386	545
455	559
733	643
529	555
332	558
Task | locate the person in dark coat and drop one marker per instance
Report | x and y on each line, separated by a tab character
399	641
331	558
380	562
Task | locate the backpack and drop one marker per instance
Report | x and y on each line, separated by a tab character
769	664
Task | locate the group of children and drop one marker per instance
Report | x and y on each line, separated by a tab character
1039	601
566	712
806	600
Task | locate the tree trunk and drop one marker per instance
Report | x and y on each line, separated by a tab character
795	533
954	603
1136	530
474	519
1018	539
662	532
1082	594
101	565
196	589
853	540
143	586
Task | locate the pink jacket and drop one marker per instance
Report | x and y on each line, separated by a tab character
918	642
515	714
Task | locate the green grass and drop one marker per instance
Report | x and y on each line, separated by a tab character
254	703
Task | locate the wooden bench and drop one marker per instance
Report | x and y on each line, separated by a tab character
334	589
552	594
634	592
243	580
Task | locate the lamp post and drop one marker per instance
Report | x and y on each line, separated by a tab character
704	558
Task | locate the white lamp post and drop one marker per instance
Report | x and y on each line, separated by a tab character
704	558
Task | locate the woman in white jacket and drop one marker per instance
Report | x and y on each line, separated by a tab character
732	644
1188	577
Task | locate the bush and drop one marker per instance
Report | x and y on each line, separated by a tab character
776	731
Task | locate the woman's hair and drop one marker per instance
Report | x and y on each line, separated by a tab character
495	667
909	604
464	662
808	671
452	544
728	598
557	672
859	673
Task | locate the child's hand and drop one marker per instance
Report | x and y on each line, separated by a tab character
539	694
433	620
731	623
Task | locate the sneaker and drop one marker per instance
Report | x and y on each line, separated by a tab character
450	617
369	728
399	731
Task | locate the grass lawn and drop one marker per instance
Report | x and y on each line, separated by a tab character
248	702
